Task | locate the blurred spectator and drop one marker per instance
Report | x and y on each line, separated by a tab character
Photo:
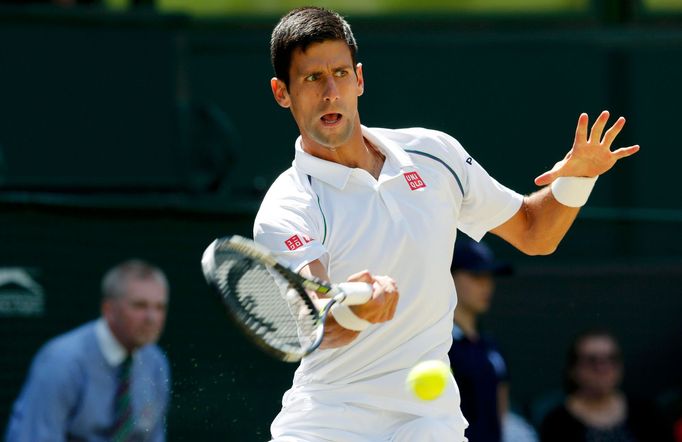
478	365
595	409
105	380
517	429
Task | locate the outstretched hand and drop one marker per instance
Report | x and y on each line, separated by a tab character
590	156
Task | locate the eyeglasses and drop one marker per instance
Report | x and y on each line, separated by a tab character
595	359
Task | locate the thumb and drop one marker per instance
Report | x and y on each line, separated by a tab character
546	178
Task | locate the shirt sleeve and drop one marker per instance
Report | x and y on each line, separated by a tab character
163	381
48	396
290	225
486	203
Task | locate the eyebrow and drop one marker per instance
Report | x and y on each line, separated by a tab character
317	71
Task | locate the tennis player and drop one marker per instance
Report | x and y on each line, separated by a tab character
390	202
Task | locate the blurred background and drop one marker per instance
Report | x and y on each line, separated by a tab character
147	128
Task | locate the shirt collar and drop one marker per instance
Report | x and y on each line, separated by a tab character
113	351
336	174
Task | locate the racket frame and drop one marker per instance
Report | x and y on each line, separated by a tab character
253	251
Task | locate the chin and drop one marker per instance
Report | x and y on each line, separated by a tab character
148	339
333	140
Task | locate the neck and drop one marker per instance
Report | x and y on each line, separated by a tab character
596	400
358	153
466	321
599	411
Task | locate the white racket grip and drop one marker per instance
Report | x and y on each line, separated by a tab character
351	293
356	292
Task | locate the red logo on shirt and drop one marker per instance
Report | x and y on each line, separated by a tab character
296	241
414	180
293	243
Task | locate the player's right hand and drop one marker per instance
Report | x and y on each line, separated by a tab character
381	307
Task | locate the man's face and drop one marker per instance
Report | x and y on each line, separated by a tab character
474	291
137	318
323	93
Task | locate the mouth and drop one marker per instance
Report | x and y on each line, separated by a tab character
331	119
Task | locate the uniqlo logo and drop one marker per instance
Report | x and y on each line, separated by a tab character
293	243
414	180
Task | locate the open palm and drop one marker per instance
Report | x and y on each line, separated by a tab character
589	157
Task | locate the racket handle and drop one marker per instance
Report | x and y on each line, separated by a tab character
353	293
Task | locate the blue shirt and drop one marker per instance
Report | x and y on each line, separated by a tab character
478	368
70	389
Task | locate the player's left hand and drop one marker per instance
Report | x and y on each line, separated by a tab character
591	153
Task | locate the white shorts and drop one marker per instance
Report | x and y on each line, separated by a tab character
307	419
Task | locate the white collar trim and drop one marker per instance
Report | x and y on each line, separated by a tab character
336	174
113	351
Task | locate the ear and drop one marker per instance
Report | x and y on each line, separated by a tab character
106	309
279	90
361	79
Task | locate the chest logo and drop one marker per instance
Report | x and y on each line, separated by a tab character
297	241
414	180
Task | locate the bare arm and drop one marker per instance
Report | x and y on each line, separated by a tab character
380	308
541	223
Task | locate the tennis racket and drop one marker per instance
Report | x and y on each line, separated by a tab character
268	301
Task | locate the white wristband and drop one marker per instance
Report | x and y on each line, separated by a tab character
347	319
573	191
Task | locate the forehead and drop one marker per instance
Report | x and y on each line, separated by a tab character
597	344
319	55
148	289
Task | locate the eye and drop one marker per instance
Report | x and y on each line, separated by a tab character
311	77
341	73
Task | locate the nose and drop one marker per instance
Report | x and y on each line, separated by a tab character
331	90
152	315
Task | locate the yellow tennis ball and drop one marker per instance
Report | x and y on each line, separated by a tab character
428	379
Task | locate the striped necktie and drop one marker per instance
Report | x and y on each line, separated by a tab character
124	422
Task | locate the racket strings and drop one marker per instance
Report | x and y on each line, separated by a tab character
267	305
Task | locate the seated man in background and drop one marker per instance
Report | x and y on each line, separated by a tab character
105	380
477	364
595	408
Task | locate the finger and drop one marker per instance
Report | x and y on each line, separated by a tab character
611	134
598	126
581	129
378	290
387	283
625	151
363	276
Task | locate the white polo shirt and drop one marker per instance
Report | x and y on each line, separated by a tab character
404	226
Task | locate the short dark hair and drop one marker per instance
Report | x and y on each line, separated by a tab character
302	27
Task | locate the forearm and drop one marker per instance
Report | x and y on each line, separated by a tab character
334	335
539	225
542	221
